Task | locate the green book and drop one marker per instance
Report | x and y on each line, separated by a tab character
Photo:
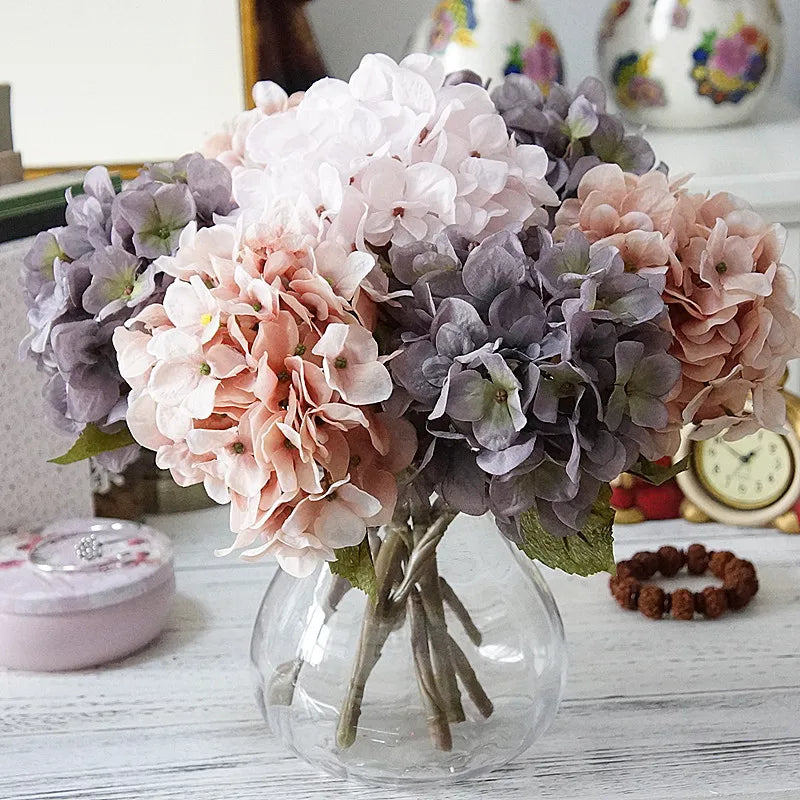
28	207
6	141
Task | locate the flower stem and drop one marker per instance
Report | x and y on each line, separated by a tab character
466	674
438	724
408	584
375	630
453	602
439	638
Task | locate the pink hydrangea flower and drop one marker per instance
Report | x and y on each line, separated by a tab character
257	377
394	156
228	145
730	300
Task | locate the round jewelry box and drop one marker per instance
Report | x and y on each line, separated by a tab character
82	592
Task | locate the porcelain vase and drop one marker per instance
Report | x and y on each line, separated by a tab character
691	63
493	38
446	675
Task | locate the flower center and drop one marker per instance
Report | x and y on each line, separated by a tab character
340	362
283	376
501	396
238	448
205	369
475	154
205	319
398	212
257	306
300	350
164	232
128	290
722	267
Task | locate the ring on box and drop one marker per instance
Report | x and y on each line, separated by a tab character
90	552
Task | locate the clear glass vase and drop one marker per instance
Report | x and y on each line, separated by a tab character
458	668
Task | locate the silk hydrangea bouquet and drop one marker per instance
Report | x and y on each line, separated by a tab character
409	298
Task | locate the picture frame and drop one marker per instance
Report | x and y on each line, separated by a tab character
206	49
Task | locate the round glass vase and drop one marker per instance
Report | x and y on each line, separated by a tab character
451	681
691	63
494	38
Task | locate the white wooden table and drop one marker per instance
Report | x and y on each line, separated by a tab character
653	710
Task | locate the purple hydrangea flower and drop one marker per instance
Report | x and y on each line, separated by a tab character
532	380
575	129
86	278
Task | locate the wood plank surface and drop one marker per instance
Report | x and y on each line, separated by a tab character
655	711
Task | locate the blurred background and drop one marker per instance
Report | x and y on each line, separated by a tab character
101	80
346	29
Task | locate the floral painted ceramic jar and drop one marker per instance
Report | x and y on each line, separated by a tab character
691	63
492	37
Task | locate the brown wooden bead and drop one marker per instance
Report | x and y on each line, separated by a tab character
626	593
719	561
651	601
738	571
696	559
648	562
630	569
682	604
670	561
738	597
715	601
742	592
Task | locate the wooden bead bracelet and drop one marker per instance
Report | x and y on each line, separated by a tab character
740	583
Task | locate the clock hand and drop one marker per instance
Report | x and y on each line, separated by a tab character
733	450
749	457
743	461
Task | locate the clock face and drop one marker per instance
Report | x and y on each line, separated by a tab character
752	473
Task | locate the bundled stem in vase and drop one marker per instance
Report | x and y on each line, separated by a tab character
409	586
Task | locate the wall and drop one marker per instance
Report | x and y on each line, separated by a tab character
347	29
95	81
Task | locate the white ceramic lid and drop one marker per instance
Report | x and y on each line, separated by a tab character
81	565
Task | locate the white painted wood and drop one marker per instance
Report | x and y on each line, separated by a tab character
662	711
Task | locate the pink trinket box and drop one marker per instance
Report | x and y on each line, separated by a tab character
82	592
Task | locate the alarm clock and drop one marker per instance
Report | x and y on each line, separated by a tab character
752	482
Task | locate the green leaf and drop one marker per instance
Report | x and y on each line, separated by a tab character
92	442
590	552
655	474
355	564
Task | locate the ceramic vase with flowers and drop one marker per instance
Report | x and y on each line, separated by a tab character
691	63
494	38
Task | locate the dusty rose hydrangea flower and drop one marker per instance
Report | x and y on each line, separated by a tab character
256	377
718	266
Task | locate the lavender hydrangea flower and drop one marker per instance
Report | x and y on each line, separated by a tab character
575	129
117	282
83	280
157	217
533	381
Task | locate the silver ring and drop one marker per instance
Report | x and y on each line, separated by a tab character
89	551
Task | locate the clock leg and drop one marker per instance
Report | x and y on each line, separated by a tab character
788	523
628	516
691	513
